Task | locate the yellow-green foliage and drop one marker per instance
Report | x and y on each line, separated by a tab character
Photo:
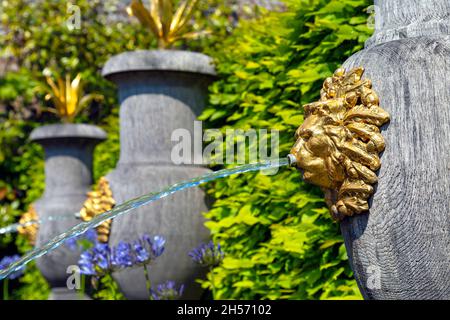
279	240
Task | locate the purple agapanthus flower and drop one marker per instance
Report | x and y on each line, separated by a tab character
167	291
91	235
73	243
103	255
207	254
123	255
102	259
87	263
97	260
146	248
142	253
6	261
157	244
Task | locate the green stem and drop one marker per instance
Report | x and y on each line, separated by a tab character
5	289
162	44
147	282
213	287
83	286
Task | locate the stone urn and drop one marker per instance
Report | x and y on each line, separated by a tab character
400	249
159	91
68	177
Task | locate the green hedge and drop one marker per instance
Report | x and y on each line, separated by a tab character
279	239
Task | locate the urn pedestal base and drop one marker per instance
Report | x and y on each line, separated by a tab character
66	294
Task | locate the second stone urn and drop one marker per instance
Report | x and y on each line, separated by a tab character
68	177
160	91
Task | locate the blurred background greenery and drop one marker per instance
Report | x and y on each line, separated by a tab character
279	240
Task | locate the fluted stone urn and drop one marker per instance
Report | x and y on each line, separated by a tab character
159	91
68	177
400	249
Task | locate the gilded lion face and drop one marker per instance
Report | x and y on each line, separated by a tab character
339	142
313	150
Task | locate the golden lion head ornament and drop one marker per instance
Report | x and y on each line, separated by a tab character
98	202
339	143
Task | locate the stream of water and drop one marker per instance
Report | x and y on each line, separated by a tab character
129	206
15	226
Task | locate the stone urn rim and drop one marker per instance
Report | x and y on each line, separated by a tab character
160	60
67	131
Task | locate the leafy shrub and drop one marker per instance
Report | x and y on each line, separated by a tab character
278	238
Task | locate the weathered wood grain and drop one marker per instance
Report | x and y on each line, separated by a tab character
406	234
